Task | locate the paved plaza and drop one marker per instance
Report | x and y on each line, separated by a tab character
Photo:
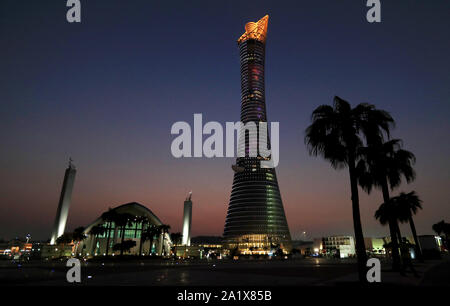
301	272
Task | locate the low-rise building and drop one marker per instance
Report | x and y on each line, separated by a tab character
335	246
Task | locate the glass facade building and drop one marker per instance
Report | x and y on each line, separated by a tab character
97	243
255	222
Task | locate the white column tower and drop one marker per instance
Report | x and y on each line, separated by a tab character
187	221
64	203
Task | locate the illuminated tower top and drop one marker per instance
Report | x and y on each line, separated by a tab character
255	30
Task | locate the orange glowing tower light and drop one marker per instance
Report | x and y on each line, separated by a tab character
255	30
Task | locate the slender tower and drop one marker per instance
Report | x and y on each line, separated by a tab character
64	203
187	221
255	221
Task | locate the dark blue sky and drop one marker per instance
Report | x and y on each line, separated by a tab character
107	91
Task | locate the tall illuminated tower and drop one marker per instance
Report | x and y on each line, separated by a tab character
187	221
64	203
255	222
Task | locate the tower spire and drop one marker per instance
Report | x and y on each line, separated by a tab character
64	203
187	221
71	165
188	198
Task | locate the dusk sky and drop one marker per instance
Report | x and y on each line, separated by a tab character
107	91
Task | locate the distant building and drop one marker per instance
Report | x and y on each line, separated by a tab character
375	246
36	249
306	248
215	241
49	251
95	245
201	246
335	246
15	248
188	251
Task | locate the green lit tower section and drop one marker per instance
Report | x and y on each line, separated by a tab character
255	222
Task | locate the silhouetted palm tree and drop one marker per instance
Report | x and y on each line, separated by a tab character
96	231
124	246
65	238
439	227
443	228
78	236
123	220
335	135
108	217
385	213
149	234
144	221
408	204
176	238
382	165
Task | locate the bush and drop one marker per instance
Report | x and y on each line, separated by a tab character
126	246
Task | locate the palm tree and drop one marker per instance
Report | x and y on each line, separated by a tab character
108	217
408	204
443	228
78	236
335	135
382	164
65	238
176	238
385	214
126	246
144	222
149	234
439	227
96	231
123	220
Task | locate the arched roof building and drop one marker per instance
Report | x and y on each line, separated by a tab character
103	234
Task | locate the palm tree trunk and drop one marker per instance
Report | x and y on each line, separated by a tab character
140	246
393	229
150	248
162	245
94	247
359	236
416	240
140	240
121	240
108	228
399	234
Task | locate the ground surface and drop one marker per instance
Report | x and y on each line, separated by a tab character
307	272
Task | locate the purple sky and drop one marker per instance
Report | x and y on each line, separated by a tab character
107	91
